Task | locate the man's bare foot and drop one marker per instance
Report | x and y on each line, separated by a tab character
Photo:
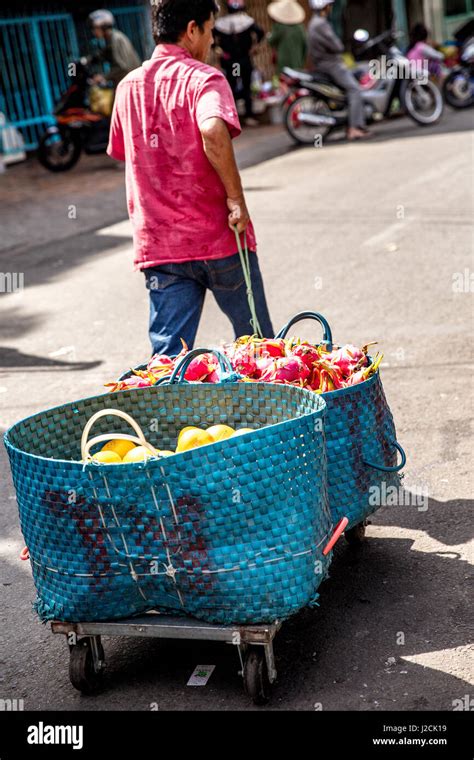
354	133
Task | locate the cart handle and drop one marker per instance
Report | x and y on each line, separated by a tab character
226	370
86	444
24	554
397	467
327	334
338	531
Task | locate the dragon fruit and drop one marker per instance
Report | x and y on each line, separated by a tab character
243	360
308	353
200	367
263	364
291	369
265	347
346	359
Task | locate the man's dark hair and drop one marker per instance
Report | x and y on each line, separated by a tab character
170	18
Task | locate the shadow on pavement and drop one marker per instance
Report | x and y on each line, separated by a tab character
11	358
52	260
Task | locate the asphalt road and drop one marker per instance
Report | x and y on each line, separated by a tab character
372	235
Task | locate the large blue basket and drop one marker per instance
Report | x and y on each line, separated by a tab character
361	442
232	532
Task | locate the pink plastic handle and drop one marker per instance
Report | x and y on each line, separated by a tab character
24	554
338	531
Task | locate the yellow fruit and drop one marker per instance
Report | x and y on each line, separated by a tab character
242	431
138	454
120	446
107	457
185	429
192	438
220	432
165	453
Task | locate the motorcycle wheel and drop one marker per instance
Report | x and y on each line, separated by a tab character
423	102
458	91
305	134
59	151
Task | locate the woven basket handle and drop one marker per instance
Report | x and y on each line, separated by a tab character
225	367
139	438
327	335
395	468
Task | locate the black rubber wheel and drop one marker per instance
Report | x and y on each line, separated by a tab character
256	682
457	90
59	153
82	674
306	134
356	536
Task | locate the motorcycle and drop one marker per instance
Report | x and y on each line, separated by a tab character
458	89
82	122
316	106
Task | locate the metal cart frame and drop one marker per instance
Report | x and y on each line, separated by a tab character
254	642
254	645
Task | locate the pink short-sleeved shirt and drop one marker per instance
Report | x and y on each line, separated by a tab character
176	200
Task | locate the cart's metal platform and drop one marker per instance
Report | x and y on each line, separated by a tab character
254	644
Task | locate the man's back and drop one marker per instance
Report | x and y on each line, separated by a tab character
177	203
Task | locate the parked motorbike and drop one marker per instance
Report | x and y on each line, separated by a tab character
458	87
82	122
316	106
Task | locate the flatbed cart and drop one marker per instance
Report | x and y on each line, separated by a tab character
254	645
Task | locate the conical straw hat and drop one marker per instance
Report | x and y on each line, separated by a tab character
286	12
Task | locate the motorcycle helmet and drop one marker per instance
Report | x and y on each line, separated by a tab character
319	5
101	18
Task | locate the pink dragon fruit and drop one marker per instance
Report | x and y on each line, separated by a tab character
269	347
200	367
243	360
308	353
347	358
213	377
289	369
263	363
160	363
134	381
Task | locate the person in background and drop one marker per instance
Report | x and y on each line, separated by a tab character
288	35
173	123
237	35
114	55
420	50
325	49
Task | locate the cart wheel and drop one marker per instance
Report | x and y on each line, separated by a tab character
256	682
355	536
82	673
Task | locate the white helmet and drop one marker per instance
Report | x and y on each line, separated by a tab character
101	18
318	5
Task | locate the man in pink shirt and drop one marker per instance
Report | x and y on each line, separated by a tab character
173	123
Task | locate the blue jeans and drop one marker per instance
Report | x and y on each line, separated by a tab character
177	293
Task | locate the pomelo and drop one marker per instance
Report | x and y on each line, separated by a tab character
192	438
119	446
220	432
107	457
138	454
242	431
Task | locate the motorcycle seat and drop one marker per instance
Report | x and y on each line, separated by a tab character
308	76
303	76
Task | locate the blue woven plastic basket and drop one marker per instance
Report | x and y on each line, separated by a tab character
232	532
361	441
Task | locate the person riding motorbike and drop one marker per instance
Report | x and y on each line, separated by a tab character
325	50
113	56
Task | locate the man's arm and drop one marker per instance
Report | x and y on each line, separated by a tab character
218	148
326	37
